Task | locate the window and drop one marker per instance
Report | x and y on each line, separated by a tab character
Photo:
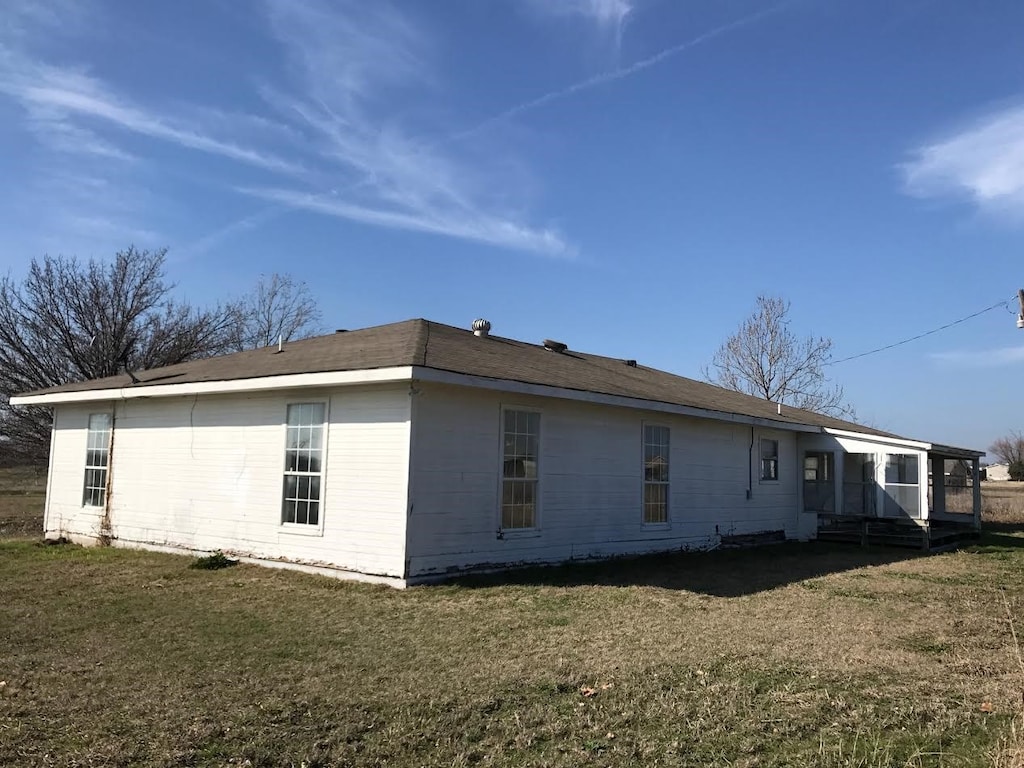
656	465
902	489
769	459
819	482
520	449
97	459
303	463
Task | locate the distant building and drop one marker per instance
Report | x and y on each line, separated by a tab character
997	472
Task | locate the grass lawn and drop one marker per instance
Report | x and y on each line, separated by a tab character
792	655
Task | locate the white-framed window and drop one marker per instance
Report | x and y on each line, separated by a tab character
303	463
520	453
97	460
769	460
656	473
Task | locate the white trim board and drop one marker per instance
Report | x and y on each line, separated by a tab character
262	383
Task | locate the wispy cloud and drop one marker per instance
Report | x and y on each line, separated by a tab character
619	73
987	358
607	17
341	118
62	94
350	66
217	237
983	161
493	230
605	14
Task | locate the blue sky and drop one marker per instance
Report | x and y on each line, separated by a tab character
623	175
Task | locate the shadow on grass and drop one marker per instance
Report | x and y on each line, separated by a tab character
1002	527
723	573
995	536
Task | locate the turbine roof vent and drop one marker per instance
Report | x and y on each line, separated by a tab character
481	327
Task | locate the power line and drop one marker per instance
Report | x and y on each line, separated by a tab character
998	304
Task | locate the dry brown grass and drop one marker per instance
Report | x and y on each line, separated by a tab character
22	494
1003	503
790	655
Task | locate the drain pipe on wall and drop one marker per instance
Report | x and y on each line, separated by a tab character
750	466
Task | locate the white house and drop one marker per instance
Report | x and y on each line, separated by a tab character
997	472
408	452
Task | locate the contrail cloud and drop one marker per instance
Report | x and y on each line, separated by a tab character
618	74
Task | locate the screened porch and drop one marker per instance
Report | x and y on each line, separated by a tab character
919	495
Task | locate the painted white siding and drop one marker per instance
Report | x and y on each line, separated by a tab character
206	472
590	487
65	515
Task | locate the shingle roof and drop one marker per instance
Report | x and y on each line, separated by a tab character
445	348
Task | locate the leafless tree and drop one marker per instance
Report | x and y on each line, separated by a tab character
1009	449
766	359
278	307
72	321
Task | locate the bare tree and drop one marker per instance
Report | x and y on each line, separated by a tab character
766	359
278	307
73	321
1010	449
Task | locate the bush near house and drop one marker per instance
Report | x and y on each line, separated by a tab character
1016	470
789	655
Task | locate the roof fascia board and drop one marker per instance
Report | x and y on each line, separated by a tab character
438	376
877	438
952	452
260	384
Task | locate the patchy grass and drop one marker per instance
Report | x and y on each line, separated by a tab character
22	494
113	657
787	655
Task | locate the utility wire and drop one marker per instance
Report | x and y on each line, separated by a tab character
926	333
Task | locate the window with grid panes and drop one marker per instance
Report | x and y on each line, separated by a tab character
97	459
520	448
656	466
303	465
769	459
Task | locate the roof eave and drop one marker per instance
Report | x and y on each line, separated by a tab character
256	384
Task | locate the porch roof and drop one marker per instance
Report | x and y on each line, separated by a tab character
952	452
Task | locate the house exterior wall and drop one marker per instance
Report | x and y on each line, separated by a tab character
205	473
590	482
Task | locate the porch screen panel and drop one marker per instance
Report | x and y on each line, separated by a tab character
819	482
902	486
859	489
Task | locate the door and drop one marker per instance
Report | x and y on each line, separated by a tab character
819	482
